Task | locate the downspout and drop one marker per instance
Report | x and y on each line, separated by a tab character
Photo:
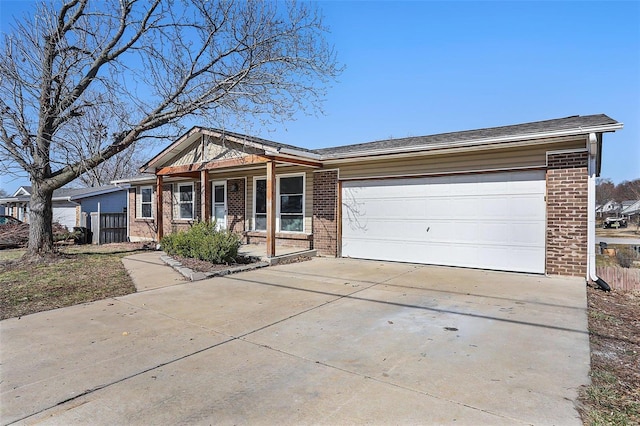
592	147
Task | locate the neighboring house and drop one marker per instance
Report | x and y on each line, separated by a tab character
513	198
609	208
632	211
71	206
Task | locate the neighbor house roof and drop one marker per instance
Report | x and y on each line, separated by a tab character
632	208
64	194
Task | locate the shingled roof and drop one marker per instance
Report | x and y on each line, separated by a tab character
576	123
568	126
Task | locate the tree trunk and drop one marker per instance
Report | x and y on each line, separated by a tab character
40	222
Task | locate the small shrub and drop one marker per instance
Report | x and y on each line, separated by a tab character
625	257
202	241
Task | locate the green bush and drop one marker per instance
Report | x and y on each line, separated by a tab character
202	241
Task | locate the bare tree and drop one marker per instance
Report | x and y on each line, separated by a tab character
147	64
605	189
87	137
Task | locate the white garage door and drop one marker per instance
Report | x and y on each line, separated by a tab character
66	216
488	221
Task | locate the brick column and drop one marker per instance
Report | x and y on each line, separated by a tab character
236	205
167	208
567	191
325	212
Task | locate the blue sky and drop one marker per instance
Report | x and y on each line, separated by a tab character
420	68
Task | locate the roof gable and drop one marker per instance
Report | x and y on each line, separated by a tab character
23	190
209	148
175	153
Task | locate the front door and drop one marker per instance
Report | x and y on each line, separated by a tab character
219	200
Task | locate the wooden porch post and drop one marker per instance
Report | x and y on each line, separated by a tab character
205	197
159	206
271	209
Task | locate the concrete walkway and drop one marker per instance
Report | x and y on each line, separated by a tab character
327	341
613	240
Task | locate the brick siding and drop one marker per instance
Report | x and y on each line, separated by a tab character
236	205
139	229
325	209
283	239
567	182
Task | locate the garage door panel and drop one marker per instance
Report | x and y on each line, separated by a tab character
492	221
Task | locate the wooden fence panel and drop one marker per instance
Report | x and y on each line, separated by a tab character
618	278
113	228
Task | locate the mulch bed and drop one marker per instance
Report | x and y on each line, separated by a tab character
204	266
614	326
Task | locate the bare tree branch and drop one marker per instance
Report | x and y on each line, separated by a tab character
146	65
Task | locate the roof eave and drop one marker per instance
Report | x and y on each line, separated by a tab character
95	194
118	182
581	131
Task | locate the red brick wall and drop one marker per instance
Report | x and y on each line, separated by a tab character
236	205
567	182
283	239
139	229
325	209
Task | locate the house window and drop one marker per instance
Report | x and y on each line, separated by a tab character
185	201
290	204
260	188
146	202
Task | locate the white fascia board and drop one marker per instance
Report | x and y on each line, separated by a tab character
174	148
302	154
94	194
9	200
576	132
141	179
21	191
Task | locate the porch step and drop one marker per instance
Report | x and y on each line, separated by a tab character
284	258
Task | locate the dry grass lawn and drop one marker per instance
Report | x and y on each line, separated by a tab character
79	274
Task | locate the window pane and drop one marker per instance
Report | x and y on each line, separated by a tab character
218	214
291	223
146	195
291	185
186	211
186	193
146	210
261	196
261	222
291	203
219	193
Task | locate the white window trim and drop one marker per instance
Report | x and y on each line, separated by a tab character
253	210
141	215
213	203
304	201
193	199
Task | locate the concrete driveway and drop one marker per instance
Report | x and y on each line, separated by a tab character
329	341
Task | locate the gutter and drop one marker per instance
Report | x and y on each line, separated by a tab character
592	147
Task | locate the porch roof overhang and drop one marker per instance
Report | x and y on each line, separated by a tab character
264	152
194	170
